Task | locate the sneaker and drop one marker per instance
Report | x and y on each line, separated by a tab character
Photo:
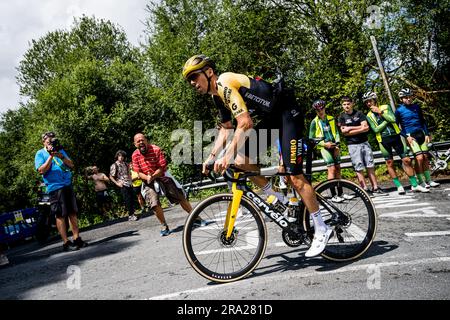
347	196
379	192
319	242
3	260
337	199
419	188
70	246
132	218
401	190
165	232
425	185
80	243
370	193
433	184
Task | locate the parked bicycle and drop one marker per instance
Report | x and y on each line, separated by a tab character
439	160
231	245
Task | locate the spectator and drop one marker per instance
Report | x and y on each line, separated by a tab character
414	128
119	173
101	190
324	126
149	162
354	127
382	121
54	164
137	186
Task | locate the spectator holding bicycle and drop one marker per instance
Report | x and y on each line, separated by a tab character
381	120
53	163
119	173
354	126
323	126
151	165
414	129
241	97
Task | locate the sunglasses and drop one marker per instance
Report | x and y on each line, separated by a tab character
193	76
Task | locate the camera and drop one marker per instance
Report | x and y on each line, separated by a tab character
56	145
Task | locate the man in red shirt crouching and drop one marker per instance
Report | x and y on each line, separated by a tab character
148	160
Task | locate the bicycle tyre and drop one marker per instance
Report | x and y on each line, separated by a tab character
206	248
360	229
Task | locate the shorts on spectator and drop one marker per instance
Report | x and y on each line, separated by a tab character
63	202
170	190
361	155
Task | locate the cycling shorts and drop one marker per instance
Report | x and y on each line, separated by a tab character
394	142
419	146
332	157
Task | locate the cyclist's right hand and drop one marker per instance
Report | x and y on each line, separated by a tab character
208	165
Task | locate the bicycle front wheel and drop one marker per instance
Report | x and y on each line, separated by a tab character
351	215
207	249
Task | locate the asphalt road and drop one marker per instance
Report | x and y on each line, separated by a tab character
409	259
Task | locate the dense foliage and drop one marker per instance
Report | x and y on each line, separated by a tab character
96	90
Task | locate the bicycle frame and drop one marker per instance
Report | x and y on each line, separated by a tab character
240	189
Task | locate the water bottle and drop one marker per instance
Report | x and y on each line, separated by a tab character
276	204
293	207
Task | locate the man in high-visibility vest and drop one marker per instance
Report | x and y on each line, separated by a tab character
382	121
324	126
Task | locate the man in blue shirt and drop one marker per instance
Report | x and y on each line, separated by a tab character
414	128
54	165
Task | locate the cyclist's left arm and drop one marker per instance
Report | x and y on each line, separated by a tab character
424	126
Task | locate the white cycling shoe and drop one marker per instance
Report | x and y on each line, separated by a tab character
319	243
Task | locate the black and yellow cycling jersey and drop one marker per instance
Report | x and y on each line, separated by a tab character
238	93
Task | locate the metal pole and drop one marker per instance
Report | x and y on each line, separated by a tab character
383	74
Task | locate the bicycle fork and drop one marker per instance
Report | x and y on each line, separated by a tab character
233	207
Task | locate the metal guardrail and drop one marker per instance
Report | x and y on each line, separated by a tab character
317	166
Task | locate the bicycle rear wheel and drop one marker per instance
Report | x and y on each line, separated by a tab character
210	253
354	224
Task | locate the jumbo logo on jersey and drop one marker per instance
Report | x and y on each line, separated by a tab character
293	151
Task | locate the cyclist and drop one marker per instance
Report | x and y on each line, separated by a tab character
324	126
381	120
242	97
414	128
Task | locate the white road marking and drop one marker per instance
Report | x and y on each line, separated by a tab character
391	205
297	274
428	234
389	198
416	216
419	212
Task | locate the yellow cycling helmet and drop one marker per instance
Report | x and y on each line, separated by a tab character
196	63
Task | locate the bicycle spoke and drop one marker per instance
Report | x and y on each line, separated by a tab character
213	254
